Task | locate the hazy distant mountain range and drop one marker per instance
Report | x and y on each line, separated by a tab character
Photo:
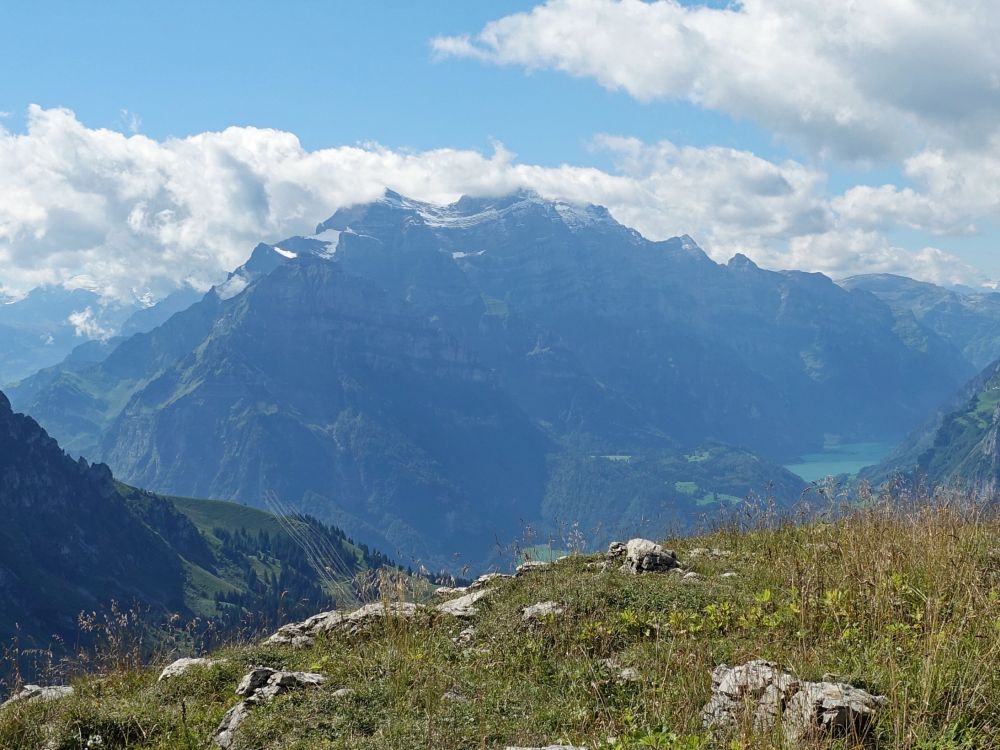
43	327
443	380
957	444
969	319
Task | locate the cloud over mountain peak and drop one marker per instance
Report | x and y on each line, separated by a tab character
139	216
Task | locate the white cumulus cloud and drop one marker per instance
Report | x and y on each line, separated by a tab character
87	325
132	216
845	252
871	79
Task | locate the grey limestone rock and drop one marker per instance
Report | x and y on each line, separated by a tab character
761	693
830	709
179	667
303	634
644	556
38	693
463	606
259	686
225	733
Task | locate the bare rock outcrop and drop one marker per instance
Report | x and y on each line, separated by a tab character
483	582
762	694
181	666
463	606
643	556
259	686
832	708
303	634
38	693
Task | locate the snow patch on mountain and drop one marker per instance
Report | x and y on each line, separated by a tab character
469	212
581	216
332	239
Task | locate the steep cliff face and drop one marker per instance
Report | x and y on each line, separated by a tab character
73	540
68	542
965	449
959	447
648	336
323	390
987	465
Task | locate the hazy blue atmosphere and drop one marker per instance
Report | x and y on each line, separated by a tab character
515	375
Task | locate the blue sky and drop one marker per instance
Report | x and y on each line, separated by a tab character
331	74
547	83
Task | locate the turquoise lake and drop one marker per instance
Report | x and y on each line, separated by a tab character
843	458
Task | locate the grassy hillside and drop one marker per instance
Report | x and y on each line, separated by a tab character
958	446
248	568
213	514
79	550
904	603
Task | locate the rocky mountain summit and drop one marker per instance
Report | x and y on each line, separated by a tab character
445	381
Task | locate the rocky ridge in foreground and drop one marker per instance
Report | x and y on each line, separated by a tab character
796	637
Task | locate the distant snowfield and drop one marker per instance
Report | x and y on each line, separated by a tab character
454	217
